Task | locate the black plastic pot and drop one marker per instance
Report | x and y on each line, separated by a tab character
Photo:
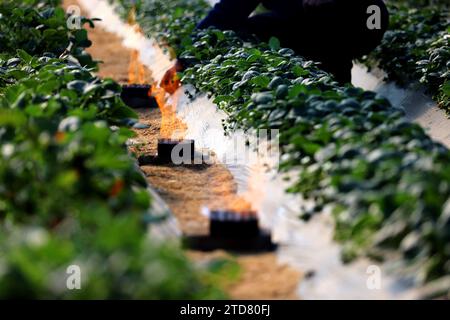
166	147
137	96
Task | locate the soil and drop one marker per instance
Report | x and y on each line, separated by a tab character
187	189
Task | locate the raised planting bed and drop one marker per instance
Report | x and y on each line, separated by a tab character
386	180
70	193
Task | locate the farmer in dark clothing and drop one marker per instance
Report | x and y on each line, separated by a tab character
333	32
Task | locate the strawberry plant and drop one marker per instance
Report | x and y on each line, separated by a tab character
38	28
416	47
26	79
114	254
70	193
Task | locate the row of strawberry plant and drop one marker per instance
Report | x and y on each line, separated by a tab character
70	193
416	48
388	182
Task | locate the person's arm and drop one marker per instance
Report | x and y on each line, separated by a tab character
229	14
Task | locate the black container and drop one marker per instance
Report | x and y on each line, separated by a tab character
261	243
228	224
166	146
137	96
232	231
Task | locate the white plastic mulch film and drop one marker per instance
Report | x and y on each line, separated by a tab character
306	246
419	107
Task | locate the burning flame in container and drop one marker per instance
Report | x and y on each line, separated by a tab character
240	205
136	70
171	126
224	198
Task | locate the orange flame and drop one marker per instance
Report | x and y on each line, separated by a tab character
235	204
171	126
241	206
132	67
223	189
141	73
132	16
136	70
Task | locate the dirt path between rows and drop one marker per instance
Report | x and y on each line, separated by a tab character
187	189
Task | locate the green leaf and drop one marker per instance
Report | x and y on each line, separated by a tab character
24	55
123	112
11	117
446	88
223	98
299	71
296	89
261	81
274	44
77	85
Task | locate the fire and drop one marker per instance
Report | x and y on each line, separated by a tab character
224	196
241	206
233	203
132	16
136	70
171	126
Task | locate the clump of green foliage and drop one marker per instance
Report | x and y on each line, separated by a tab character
70	193
40	27
416	48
